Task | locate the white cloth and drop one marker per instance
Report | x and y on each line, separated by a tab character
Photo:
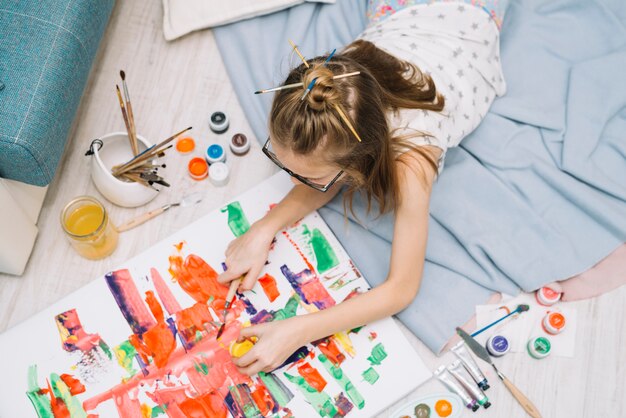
458	45
181	17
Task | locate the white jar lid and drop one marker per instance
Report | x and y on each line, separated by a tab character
219	173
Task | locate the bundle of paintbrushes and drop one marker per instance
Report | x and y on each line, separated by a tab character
142	167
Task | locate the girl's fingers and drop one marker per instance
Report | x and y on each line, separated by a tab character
228	276
248	282
252	369
246	360
249	332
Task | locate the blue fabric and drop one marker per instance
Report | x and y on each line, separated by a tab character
537	193
46	51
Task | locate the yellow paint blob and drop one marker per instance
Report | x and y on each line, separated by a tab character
443	408
239	349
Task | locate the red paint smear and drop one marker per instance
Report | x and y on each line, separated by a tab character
312	376
197	278
331	350
78	338
207	350
165	294
127	407
205	406
306	260
74	384
140	347
59	409
269	287
263	400
160	342
155	306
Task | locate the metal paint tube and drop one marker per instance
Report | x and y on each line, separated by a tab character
450	382
461	351
463	376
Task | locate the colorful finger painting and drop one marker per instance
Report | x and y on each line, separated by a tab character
140	341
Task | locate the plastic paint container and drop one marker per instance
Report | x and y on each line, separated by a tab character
219	173
215	154
185	145
218	122
239	144
198	168
539	347
498	345
553	323
547	297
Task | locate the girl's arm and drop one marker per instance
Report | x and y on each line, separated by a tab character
408	252
279	339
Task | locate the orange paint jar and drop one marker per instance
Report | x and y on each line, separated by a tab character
198	168
185	145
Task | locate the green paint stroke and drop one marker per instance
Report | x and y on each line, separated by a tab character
237	221
40	402
125	354
289	310
370	375
106	349
378	354
324	253
158	410
202	368
319	400
279	391
60	389
343	381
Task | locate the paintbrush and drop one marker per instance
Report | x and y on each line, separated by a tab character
294	85
126	121
131	116
146	155
230	298
481	352
519	309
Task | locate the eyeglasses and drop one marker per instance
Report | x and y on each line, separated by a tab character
319	187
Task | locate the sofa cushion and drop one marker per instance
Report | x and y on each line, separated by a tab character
46	51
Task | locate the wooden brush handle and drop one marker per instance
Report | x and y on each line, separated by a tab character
140	219
232	289
522	399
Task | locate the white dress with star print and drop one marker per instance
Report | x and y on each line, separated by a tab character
458	45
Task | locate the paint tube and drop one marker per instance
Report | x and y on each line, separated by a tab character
464	355
463	376
450	382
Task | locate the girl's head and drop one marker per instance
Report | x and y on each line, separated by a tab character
310	138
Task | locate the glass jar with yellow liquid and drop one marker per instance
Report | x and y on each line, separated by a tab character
88	227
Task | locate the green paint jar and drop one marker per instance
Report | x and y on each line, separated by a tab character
539	347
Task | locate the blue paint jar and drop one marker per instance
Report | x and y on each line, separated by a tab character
498	345
215	154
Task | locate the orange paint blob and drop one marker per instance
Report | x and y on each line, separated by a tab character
197	278
209	405
198	168
330	350
263	400
73	384
269	287
185	145
312	376
443	408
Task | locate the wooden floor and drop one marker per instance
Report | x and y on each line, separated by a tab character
174	85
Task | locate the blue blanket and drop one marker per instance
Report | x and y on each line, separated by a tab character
537	193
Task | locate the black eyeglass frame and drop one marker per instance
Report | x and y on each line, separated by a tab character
301	179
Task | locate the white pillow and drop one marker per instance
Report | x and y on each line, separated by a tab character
183	16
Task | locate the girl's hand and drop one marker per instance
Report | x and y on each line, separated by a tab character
276	342
246	255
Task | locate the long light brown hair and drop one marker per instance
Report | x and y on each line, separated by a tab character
385	84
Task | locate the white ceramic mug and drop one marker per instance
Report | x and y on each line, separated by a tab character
116	150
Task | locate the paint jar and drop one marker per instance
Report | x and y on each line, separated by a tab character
218	174
497	345
185	145
87	225
553	323
539	347
218	122
215	154
198	168
547	297
239	144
